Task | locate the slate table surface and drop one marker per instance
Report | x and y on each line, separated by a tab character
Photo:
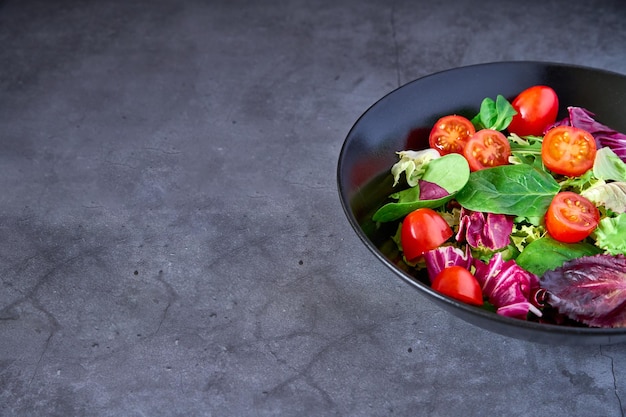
173	243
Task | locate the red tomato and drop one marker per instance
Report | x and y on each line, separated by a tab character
422	230
487	148
459	283
571	217
537	108
568	150
450	134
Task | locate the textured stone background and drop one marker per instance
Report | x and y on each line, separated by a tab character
172	238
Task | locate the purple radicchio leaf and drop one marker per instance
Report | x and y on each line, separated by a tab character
591	290
507	286
431	191
487	230
604	135
445	256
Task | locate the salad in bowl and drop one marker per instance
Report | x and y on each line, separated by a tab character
498	191
516	212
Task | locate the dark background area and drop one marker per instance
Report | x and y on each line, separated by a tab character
172	237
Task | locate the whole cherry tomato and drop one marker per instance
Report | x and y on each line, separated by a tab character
422	230
450	134
568	150
537	108
459	283
487	148
571	217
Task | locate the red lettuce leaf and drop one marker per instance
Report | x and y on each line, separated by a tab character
508	287
445	256
591	290
431	191
487	230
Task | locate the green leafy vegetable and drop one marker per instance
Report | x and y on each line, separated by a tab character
608	166
526	150
413	164
610	234
449	172
579	184
523	234
610	195
534	259
518	190
496	115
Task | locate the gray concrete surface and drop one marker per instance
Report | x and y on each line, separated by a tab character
172	238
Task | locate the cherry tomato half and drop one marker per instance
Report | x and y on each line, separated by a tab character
450	134
568	150
459	283
571	217
537	108
422	230
487	148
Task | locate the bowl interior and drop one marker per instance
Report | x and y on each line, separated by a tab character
403	119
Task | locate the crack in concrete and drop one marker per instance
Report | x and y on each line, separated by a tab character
304	373
615	389
172	296
55	326
32	297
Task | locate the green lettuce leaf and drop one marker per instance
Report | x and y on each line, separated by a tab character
610	234
608	166
611	195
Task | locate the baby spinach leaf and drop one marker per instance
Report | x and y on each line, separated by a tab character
449	172
518	190
545	254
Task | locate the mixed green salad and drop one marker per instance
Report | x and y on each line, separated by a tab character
516	212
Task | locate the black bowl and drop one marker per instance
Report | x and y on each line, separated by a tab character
402	120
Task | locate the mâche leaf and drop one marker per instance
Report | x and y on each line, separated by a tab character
519	190
496	115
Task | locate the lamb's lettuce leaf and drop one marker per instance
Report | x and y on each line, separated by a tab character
496	115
